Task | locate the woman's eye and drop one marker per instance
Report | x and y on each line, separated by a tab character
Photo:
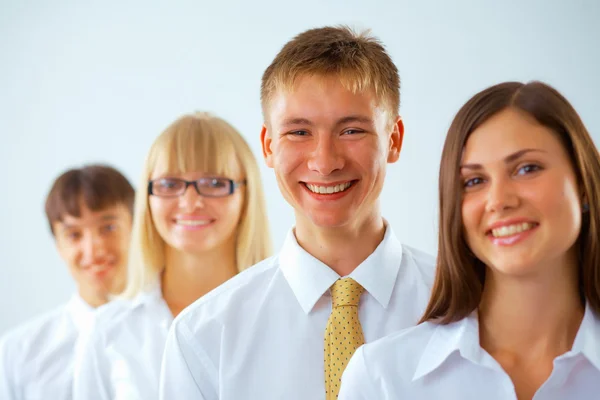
472	182
167	184
527	169
217	183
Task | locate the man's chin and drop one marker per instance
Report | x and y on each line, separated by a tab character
100	280
326	220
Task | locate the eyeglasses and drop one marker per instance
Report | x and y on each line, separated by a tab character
208	187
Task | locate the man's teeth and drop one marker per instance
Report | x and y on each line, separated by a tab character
328	189
192	222
511	229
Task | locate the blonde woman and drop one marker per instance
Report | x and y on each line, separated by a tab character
199	219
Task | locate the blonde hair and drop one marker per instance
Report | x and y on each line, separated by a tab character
359	59
198	142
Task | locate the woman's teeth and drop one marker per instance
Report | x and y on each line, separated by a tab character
510	230
192	222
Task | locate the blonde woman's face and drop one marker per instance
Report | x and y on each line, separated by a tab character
191	222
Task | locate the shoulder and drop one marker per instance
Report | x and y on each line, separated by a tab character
244	288
420	262
35	335
111	315
125	315
387	367
398	354
35	329
417	256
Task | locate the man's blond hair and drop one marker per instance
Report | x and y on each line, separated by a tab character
359	59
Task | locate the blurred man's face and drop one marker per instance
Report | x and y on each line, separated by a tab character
95	246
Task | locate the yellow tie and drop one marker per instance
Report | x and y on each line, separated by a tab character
343	334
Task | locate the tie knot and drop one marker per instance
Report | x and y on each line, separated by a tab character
346	292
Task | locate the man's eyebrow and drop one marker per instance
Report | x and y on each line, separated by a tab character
355	118
297	121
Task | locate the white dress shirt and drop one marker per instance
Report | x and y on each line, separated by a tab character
37	358
260	335
434	361
122	358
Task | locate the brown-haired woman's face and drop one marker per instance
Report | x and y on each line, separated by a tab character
521	204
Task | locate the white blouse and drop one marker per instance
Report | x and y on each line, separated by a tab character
122	358
37	358
260	334
432	361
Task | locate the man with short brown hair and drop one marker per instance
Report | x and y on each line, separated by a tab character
89	212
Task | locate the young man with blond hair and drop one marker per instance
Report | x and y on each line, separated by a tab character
286	328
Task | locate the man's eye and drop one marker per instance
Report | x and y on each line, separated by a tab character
109	228
299	133
353	131
73	235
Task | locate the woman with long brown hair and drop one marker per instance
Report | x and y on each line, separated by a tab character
514	309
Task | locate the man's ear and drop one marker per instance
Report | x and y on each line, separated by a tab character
58	241
266	142
396	139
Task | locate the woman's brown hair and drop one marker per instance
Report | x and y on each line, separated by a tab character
460	276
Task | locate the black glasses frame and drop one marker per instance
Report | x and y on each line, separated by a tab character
232	186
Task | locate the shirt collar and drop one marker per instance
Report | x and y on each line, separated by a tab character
461	336
586	341
378	273
153	298
152	294
310	278
81	313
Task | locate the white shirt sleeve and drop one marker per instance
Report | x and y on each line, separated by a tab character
7	384
91	377
186	371
356	383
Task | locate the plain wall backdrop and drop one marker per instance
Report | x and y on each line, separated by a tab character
94	81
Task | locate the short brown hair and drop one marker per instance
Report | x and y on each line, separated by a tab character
460	276
98	186
359	59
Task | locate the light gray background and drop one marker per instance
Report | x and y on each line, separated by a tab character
97	81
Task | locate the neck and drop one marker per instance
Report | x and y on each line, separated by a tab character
341	248
187	276
535	316
94	300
